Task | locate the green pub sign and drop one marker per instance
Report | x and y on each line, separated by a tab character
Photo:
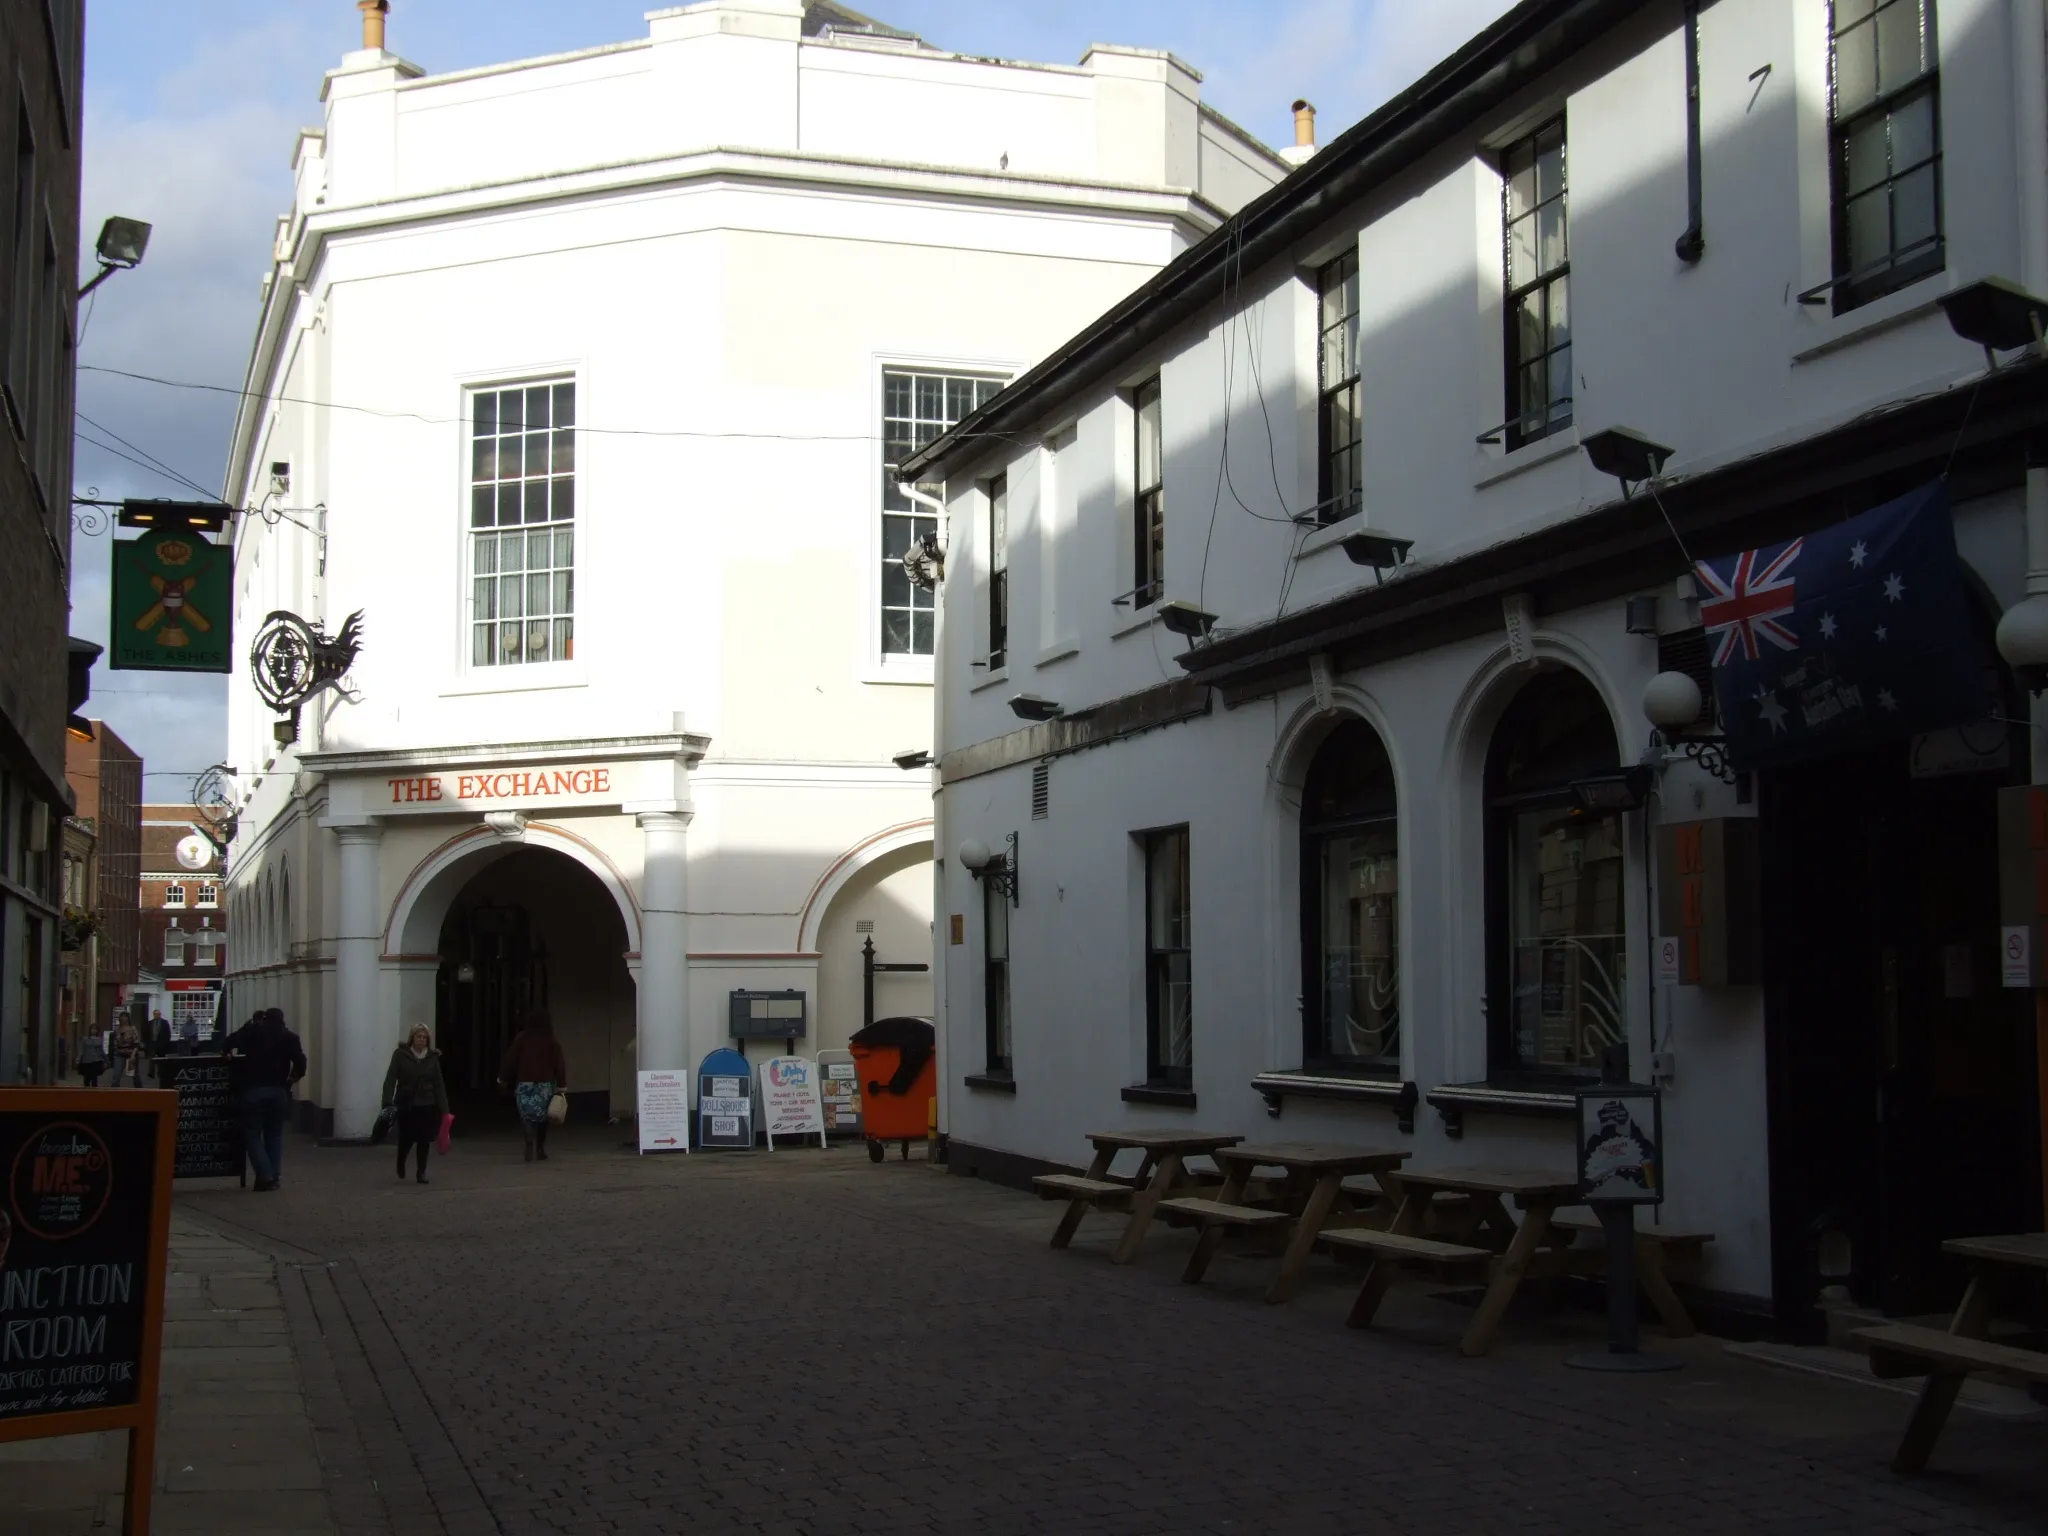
173	604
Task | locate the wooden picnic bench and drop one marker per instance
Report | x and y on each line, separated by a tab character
1945	1359
1160	1174
1309	1199
1658	1251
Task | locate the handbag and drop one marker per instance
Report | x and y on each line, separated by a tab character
558	1109
441	1142
386	1118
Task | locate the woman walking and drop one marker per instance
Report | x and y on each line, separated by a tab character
414	1086
127	1054
92	1058
534	1067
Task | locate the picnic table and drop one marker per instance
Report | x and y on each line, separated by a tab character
1906	1349
1310	1200
1481	1235
1161	1172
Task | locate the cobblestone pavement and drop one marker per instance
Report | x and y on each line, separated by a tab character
805	1343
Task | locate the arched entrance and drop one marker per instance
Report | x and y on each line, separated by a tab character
887	898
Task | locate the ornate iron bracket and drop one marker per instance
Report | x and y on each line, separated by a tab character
214	815
925	562
292	660
1710	752
1000	872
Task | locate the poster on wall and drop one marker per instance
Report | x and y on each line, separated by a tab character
839	1087
663	1111
725	1100
790	1104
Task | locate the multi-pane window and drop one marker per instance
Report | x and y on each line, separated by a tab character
522	520
998	571
1537	266
1339	429
995	995
1148	510
1351	873
174	895
916	408
1169	1002
174	947
209	896
1885	117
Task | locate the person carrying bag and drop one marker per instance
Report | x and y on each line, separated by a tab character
416	1089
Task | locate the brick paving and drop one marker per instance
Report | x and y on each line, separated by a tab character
805	1343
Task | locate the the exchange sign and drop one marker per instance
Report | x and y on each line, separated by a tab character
173	607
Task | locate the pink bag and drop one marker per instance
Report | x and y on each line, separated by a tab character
441	1141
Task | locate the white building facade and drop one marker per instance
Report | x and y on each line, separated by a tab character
578	377
1319	855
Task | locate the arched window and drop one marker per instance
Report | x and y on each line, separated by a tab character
1557	967
174	895
1350	919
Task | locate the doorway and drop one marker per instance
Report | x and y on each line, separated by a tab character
1901	1078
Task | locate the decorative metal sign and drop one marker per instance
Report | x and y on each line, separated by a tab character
292	660
173	609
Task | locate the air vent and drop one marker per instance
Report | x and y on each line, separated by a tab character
1041	791
865	925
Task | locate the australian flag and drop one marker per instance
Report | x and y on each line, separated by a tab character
1854	634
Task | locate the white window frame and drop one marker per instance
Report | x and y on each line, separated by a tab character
174	896
208	899
174	946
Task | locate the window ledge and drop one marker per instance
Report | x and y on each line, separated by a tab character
990	679
1494	468
1819	335
991	1082
519	679
1159	1093
1551	1100
1145	618
1330	535
1392	1091
909	671
1059	650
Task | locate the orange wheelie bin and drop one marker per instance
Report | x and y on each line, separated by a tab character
899	1081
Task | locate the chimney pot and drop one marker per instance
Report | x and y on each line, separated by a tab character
1304	125
374	12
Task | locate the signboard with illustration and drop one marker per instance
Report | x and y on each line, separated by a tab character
664	1111
172	610
839	1087
790	1105
725	1100
1621	1145
85	1216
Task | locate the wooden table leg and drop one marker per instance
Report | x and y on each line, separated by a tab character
1070	1223
1508	1271
1656	1285
1379	1274
1314	1211
1165	1175
1212	1232
1938	1393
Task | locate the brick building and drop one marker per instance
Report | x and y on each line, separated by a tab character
106	776
184	921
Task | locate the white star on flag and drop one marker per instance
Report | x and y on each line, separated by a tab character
1857	554
1894	587
1767	704
1827	626
1882	633
1885	699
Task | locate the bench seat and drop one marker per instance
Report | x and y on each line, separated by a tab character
1667	1238
1217	1213
1402	1248
1078	1186
1908	1349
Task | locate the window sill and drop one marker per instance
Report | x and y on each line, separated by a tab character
991	1082
1330	535
1059	650
1145	618
1549	1099
520	679
990	679
1820	333
1392	1091
1159	1093
1496	467
905	671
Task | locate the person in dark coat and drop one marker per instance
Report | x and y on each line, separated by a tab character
270	1060
535	1068
159	1043
414	1086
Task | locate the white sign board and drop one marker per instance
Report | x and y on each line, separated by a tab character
2015	957
1667	962
790	1105
664	1111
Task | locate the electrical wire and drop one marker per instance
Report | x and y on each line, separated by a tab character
168	470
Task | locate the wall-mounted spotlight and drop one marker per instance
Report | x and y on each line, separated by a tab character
1626	454
916	757
121	244
1625	789
1641	615
1184	618
1030	706
998	871
1382	551
1997	315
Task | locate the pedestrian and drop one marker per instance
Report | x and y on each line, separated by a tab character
533	1065
159	1044
271	1061
92	1058
127	1054
188	1034
414	1086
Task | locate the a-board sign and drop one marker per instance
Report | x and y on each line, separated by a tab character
1621	1144
790	1106
839	1087
725	1100
85	1224
664	1111
209	1117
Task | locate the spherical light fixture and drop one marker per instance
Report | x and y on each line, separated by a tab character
193	851
974	855
1672	701
2023	641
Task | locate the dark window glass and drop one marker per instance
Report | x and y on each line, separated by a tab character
1148	518
995	917
1885	136
998	571
1350	903
1339	429
1169	1002
1537	265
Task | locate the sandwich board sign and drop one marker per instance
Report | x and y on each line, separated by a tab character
790	1105
663	1111
840	1086
85	1227
209	1142
725	1100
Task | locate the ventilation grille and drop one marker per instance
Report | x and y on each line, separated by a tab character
865	925
1041	791
1686	651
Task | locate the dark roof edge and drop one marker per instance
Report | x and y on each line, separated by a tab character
1527	42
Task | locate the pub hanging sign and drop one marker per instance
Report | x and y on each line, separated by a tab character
173	608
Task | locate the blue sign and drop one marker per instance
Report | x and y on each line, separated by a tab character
725	1100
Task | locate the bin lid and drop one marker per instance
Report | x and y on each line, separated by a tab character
901	1031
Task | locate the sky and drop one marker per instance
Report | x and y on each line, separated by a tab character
191	114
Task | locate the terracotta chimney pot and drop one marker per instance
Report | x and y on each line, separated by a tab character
374	12
1304	125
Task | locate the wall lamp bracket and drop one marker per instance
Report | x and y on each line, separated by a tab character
997	871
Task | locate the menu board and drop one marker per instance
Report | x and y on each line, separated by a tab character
209	1118
725	1100
789	1099
840	1087
84	1225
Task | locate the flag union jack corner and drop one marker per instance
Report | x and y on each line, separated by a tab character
1854	634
